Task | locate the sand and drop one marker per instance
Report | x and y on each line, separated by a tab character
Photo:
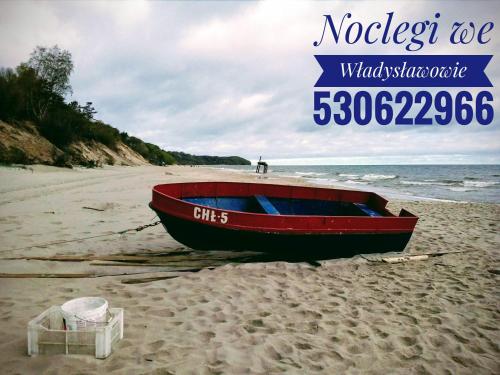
436	316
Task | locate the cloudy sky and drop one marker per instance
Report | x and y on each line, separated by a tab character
237	78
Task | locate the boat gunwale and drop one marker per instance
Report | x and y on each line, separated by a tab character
405	217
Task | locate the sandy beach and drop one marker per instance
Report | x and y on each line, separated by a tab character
438	316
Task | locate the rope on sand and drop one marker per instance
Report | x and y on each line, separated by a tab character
122	232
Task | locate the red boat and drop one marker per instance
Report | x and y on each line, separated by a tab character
290	220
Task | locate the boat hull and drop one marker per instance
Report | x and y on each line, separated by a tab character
293	221
201	236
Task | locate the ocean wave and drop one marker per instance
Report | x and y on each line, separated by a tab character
306	174
454	185
429	182
480	184
374	177
460	188
445	181
233	169
405	182
348	175
323	181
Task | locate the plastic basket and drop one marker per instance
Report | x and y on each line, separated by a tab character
47	335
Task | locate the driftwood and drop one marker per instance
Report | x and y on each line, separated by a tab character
173	265
86	275
164	259
88	258
46	275
127	264
170	262
92	208
147	279
404	258
447	252
423	256
200	259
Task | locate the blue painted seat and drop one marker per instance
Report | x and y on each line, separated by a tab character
266	205
367	210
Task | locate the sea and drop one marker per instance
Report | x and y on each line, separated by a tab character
461	183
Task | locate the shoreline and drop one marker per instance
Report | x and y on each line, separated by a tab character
347	315
389	193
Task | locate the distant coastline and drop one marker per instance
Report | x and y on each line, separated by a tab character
22	143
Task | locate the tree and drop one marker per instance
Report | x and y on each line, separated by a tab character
35	97
46	79
88	111
53	66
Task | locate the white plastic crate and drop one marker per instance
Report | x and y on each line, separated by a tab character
46	335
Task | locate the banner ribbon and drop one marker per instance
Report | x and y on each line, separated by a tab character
403	71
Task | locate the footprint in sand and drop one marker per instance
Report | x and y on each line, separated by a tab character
125	343
219	317
311	314
207	336
381	333
165	313
199	312
408	318
257	323
113	365
385	346
409	353
154	346
284	347
408	341
438	341
65	290
251	328
303	346
434	320
350	323
272	353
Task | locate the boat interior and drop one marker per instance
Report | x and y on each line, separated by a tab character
285	206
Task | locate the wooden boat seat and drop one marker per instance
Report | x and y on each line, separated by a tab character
266	205
367	210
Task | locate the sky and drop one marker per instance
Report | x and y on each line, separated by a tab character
237	78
